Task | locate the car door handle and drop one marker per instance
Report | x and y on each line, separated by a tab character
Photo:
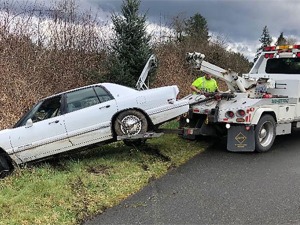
55	121
107	106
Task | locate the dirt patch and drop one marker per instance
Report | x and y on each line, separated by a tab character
99	169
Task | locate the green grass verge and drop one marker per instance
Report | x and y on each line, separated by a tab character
67	190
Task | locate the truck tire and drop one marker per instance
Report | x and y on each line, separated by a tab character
265	132
131	122
5	168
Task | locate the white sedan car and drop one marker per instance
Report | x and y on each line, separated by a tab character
86	116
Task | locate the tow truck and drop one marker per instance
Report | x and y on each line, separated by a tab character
258	105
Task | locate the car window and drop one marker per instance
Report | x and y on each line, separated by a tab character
45	109
49	108
103	94
81	99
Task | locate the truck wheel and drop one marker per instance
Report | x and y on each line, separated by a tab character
131	122
265	132
5	168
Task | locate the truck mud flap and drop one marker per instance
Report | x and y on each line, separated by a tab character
240	140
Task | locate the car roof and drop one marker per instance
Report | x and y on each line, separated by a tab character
109	86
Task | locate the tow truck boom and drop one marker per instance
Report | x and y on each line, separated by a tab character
234	82
151	63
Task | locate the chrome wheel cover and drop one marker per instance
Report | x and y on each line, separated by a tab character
131	124
266	134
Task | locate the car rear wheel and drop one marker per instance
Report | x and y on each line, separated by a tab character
5	168
131	122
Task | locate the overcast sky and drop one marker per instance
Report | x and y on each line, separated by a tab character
240	21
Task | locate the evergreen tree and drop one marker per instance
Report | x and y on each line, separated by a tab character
130	48
281	40
265	40
196	27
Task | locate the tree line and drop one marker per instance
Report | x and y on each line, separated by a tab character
131	46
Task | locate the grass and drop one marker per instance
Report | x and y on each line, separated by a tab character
66	190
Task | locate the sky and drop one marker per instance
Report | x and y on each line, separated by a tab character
238	22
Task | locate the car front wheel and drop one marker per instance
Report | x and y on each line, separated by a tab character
5	168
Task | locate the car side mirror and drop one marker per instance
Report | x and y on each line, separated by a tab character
29	123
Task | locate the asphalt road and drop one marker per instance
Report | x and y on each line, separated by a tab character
219	187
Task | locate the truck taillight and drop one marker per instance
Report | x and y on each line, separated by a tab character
241	113
281	48
250	110
229	114
269	55
296	46
196	110
269	48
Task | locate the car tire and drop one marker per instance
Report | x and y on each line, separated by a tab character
130	122
265	132
5	168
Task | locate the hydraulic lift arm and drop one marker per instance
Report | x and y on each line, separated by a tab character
151	63
231	78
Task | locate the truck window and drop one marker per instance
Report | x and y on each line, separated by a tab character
283	65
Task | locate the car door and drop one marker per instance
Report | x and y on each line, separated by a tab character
90	111
42	132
